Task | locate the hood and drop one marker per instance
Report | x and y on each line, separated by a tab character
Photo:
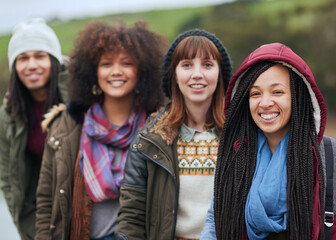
280	53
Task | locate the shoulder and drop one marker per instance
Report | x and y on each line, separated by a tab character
4	113
158	124
333	144
51	115
70	113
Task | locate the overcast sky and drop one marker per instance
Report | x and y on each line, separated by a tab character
15	11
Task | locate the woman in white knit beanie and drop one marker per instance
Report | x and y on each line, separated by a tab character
35	61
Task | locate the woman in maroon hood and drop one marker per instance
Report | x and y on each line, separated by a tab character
270	180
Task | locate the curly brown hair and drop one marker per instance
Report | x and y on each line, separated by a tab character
144	45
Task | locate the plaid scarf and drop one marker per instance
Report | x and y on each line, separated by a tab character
96	160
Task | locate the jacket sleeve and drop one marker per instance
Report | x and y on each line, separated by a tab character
333	144
132	213
4	159
44	196
209	231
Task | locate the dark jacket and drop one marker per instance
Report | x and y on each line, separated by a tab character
55	188
19	172
149	194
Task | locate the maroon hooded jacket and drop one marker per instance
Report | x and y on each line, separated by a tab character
280	53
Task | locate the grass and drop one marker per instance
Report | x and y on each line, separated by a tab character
165	22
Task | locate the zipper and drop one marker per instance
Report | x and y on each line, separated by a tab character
171	173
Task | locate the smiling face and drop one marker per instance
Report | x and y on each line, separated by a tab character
197	80
33	69
270	102
117	76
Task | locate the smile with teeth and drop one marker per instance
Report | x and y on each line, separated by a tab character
197	86
269	116
116	83
33	76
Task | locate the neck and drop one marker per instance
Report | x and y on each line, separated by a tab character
273	141
197	116
117	111
39	95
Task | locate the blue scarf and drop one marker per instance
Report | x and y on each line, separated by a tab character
266	204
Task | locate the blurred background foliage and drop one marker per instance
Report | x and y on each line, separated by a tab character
307	26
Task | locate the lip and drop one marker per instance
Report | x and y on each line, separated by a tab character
197	87
117	82
33	77
268	117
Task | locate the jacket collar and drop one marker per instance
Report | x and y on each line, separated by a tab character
158	124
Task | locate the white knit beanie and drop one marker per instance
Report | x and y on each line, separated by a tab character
33	35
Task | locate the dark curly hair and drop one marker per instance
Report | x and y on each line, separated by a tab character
144	45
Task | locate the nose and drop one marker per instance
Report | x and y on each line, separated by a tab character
32	63
116	70
197	73
266	101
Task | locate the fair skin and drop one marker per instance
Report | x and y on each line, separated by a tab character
117	77
197	80
33	69
270	104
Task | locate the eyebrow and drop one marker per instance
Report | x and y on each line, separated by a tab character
272	85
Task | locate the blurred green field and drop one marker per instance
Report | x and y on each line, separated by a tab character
307	26
166	22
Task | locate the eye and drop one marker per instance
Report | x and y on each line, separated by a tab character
208	64
22	58
40	56
185	64
278	92
254	93
128	63
104	64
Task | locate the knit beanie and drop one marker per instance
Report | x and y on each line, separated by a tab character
226	65
33	35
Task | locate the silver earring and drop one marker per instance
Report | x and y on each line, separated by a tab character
136	91
96	90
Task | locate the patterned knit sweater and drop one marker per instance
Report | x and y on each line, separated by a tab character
197	156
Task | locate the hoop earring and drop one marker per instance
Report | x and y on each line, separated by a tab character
96	90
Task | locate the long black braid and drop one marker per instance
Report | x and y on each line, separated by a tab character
235	170
300	163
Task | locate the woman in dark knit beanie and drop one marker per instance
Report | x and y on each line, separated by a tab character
269	181
169	175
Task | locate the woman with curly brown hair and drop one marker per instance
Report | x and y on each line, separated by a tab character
114	84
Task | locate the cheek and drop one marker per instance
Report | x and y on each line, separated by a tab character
133	73
45	63
252	105
19	68
101	73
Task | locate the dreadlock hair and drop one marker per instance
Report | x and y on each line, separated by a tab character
19	102
235	169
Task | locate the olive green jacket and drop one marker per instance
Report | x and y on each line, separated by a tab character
149	194
19	173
